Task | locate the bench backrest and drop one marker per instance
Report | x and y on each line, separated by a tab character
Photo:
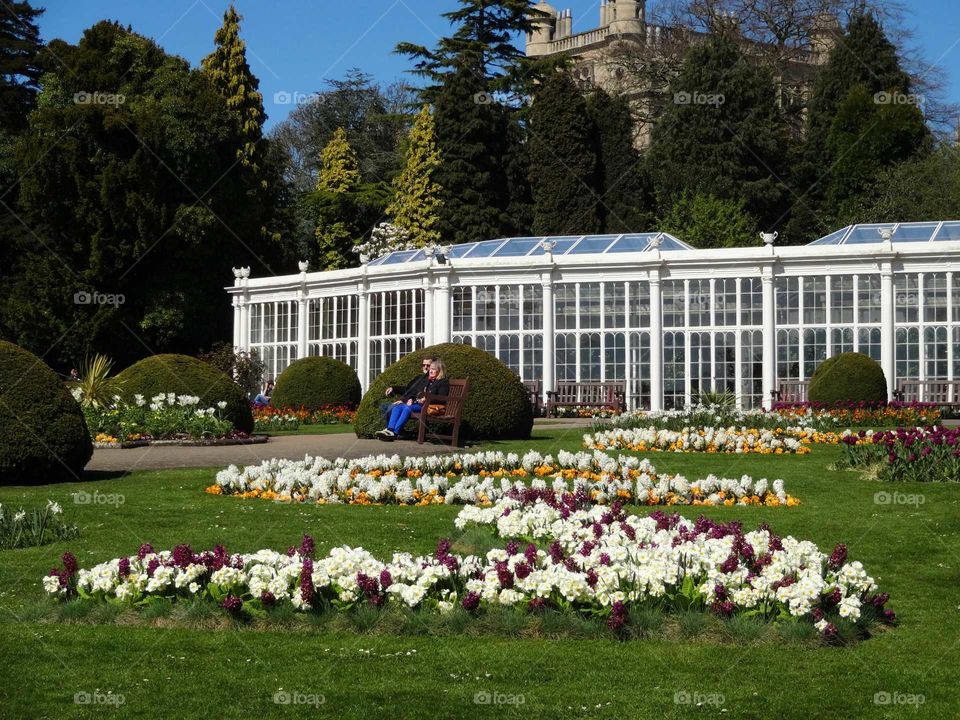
589	392
456	397
793	391
931	391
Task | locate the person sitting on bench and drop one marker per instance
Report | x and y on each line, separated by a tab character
437	384
412	388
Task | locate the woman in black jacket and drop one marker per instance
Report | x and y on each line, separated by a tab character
412	400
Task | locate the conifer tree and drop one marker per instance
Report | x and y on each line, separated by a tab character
19	73
416	205
227	67
563	161
722	134
339	169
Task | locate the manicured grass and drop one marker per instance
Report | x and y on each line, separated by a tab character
330	429
913	550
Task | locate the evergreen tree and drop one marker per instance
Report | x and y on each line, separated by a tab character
339	171
621	194
19	73
706	221
722	135
563	177
471	176
416	204
227	67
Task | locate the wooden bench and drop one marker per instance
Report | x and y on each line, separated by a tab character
791	391
535	394
452	412
936	392
587	394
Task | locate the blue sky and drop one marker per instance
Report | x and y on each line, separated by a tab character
293	46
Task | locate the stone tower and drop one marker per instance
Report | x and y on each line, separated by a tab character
623	17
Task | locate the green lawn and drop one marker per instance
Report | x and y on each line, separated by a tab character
197	672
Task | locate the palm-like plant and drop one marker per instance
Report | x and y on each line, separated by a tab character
725	399
97	388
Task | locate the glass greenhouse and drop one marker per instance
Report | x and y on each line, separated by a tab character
668	320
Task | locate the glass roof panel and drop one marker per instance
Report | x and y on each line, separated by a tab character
563	244
461	250
671	243
400	256
377	261
833	238
593	244
914	232
516	247
863	234
483	249
631	243
949	231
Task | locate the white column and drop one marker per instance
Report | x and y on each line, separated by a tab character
888	336
236	323
428	311
244	299
303	320
441	314
656	342
769	337
363	336
549	332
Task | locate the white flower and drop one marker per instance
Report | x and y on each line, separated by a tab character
19	516
222	405
54	508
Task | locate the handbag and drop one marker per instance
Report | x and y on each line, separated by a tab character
435	410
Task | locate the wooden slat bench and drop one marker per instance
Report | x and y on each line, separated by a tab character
791	391
937	392
535	394
452	412
587	394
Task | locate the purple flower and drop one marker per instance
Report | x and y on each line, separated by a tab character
724	607
145	549
443	548
537	605
471	601
513	547
268	599
504	576
306	581
386	580
604	559
307	546
123	567
730	564
232	604
152	567
182	556
556	551
720	591
592	577
531	553
838	557
69	563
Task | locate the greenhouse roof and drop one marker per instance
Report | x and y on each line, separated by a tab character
532	246
913	232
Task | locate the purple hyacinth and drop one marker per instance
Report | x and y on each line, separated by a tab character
268	598
537	605
531	553
504	576
152	567
471	601
618	617
513	547
182	556
730	564
724	608
386	580
592	577
604	559
838	557
443	548
720	591
556	551
522	570
70	565
123	567
307	546
232	604
306	581
830	632
145	549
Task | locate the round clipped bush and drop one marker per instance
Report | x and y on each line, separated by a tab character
43	435
185	375
313	382
848	377
497	406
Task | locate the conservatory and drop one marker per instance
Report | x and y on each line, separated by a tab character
668	320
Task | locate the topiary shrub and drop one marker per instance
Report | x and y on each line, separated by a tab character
848	377
497	407
43	436
313	382
184	375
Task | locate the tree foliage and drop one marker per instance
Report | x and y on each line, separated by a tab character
416	204
706	221
339	171
19	72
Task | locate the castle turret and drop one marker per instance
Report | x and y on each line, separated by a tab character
544	28
625	17
823	37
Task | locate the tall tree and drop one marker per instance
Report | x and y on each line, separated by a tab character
471	176
622	207
416	204
723	134
19	73
339	171
231	75
563	178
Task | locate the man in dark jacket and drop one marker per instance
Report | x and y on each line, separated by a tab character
412	389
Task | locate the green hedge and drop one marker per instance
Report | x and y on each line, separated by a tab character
497	406
184	375
44	437
848	377
313	382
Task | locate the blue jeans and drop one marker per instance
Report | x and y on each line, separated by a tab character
399	414
385	408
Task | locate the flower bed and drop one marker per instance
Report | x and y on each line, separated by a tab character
271	419
483	478
791	440
892	414
20	528
566	411
715	416
563	552
166	416
929	454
